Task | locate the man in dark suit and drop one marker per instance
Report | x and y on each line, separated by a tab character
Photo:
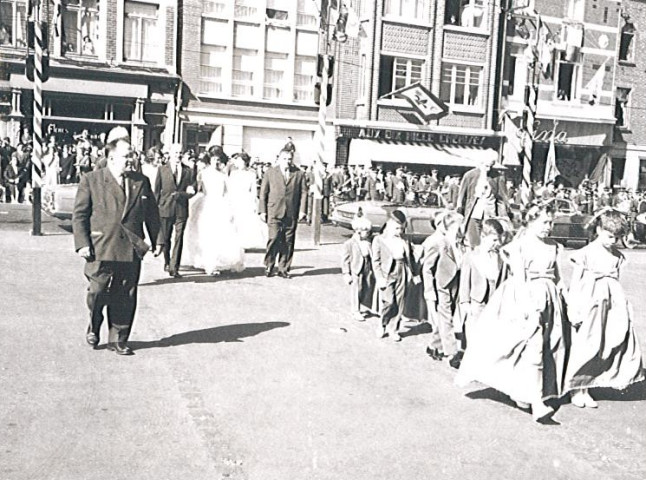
174	185
112	205
482	195
280	199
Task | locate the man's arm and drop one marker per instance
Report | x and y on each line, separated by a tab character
81	216
460	203
152	214
264	194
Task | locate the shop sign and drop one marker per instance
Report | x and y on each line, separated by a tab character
371	133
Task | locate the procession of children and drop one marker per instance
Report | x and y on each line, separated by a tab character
499	308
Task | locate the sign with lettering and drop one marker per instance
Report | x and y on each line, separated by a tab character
418	136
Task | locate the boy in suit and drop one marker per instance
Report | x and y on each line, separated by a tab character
393	266
441	259
356	266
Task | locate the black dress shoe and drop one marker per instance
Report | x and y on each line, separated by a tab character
174	274
120	348
269	272
284	274
92	339
434	353
455	361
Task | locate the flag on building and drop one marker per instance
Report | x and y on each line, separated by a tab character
551	170
595	85
427	105
58	18
600	174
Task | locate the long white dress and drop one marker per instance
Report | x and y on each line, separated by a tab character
242	191
211	241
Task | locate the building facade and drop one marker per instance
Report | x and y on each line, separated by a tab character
449	46
112	62
574	45
629	153
250	69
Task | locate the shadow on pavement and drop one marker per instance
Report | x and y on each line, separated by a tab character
420	328
320	271
226	333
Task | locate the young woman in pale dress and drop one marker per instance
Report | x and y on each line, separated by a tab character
211	240
517	346
243	196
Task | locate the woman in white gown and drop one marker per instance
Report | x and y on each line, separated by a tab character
211	241
243	196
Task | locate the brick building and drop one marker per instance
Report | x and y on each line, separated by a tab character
450	47
629	154
249	68
575	44
112	62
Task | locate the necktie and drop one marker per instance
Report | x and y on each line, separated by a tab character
177	174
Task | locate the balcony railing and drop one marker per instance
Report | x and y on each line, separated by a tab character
214	8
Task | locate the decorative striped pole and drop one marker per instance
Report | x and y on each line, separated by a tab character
37	152
319	166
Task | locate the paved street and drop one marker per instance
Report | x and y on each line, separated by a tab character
245	377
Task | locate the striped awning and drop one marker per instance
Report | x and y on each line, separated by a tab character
367	152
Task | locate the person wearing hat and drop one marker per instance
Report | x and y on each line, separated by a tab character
356	265
111	208
394	266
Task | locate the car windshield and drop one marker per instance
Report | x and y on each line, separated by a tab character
424	199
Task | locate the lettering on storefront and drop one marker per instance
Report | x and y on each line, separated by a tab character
545	135
370	133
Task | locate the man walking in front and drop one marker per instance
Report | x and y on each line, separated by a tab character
174	185
112	205
280	198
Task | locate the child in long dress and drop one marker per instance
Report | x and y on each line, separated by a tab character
482	272
517	346
604	352
356	265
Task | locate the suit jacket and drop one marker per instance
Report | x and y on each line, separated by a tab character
353	262
371	189
383	261
474	286
439	266
281	199
111	223
171	195
466	196
12	176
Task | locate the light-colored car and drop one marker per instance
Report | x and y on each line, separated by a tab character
418	217
58	200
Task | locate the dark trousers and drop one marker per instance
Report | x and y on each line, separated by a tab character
112	285
280	244
173	251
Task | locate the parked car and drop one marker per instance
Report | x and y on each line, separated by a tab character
58	200
418	217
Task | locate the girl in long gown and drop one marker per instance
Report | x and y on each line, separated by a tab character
517	346
243	195
604	351
211	240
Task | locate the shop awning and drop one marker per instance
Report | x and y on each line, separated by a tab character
366	152
84	87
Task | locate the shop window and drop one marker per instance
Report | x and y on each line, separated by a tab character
304	78
412	9
466	13
567	85
81	27
627	43
142	40
622	107
13	18
460	84
398	72
642	175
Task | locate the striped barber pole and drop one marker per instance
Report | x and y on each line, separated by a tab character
37	154
320	150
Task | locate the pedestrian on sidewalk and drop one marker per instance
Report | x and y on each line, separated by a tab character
605	352
394	267
110	211
356	266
